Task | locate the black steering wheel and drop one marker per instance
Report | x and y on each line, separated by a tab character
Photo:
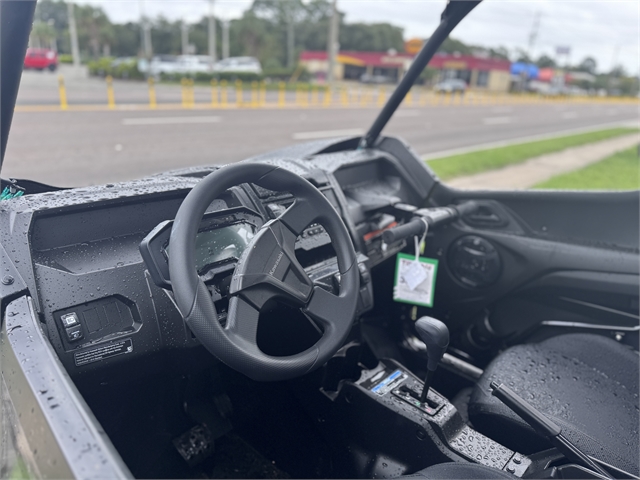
267	269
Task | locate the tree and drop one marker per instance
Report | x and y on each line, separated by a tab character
522	56
43	35
588	65
165	36
545	61
500	52
126	40
451	45
47	10
377	37
253	36
284	13
618	71
95	30
55	15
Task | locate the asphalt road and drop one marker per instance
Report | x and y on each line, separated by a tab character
80	148
75	148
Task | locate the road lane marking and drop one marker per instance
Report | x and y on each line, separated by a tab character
496	120
327	134
169	120
569	115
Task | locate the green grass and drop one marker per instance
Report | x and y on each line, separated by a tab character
481	160
620	171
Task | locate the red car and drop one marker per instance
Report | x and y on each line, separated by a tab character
41	58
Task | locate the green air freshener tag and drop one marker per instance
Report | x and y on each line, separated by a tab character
415	280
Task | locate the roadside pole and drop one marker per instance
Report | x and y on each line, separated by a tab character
332	43
73	33
225	39
212	37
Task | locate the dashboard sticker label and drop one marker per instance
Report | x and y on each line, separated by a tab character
389	383
105	351
415	281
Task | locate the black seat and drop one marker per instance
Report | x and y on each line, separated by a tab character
459	471
587	384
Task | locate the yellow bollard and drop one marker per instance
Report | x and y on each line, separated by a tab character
381	96
111	101
183	92
327	96
214	93
254	94
363	97
224	94
422	99
303	99
152	93
281	95
344	97
239	99
408	99
192	99
63	93
263	93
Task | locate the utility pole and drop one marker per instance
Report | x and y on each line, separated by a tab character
185	37
225	39
332	41
290	41
145	35
534	33
73	32
212	36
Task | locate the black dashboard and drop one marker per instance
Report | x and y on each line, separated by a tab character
98	255
94	259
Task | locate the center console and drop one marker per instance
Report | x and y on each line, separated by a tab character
375	409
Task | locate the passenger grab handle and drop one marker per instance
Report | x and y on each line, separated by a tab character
434	217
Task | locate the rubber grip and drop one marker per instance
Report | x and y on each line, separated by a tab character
466	208
410	229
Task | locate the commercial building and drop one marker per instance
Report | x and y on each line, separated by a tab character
478	72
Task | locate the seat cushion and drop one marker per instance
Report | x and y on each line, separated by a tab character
587	384
457	471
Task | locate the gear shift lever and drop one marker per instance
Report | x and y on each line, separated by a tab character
435	335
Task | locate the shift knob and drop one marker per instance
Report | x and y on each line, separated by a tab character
435	335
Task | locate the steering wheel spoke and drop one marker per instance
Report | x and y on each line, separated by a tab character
242	319
325	308
299	215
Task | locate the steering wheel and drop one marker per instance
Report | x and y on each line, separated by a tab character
267	269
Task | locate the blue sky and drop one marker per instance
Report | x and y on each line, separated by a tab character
607	30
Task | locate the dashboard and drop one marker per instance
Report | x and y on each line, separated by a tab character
94	259
98	256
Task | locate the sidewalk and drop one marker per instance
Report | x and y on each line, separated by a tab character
538	169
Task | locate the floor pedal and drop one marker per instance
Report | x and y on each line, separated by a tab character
195	445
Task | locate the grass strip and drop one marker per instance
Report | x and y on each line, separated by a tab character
620	171
490	159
